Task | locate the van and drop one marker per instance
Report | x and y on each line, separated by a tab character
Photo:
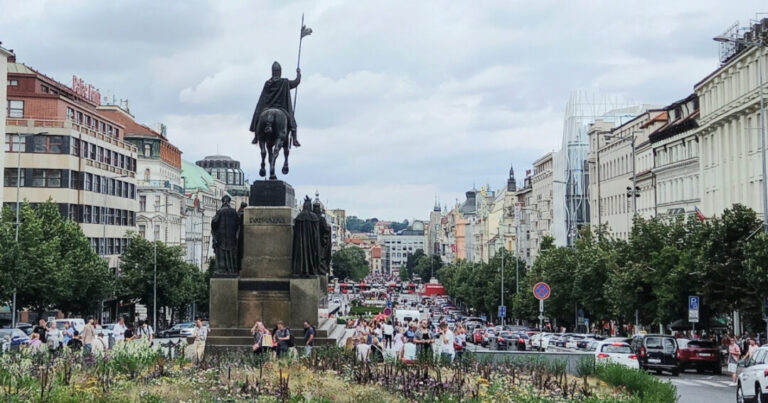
405	315
77	324
656	352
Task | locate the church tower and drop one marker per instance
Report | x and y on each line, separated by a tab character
511	183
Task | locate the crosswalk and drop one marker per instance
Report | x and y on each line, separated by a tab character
699	382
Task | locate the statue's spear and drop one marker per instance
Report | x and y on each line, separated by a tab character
304	32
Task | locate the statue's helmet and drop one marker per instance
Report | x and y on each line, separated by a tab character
276	69
226	199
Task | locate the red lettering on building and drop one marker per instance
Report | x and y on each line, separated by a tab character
85	90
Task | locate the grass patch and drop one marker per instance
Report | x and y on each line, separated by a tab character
638	383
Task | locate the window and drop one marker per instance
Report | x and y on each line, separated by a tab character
88	182
11	176
157	231
96	183
96	215
100	154
157	202
110	246
13	82
55	144
75	147
87	218
38	178
93	152
147	150
70	114
142	203
53	178
14	143
143	231
15	108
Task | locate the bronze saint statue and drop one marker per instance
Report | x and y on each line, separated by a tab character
241	235
273	123
225	228
325	238
306	242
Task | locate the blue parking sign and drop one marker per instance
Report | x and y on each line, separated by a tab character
502	311
693	303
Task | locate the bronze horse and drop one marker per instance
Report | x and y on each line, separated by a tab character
272	135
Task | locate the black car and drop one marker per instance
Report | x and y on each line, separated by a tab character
508	341
657	352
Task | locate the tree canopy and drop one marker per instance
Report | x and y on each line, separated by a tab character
349	262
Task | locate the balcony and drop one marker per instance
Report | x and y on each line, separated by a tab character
159	184
40	124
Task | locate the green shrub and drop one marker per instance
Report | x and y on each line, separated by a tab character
365	310
639	383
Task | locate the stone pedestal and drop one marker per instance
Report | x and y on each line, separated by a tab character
265	289
272	193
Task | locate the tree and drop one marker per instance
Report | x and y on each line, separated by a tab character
53	264
178	282
407	272
427	265
349	262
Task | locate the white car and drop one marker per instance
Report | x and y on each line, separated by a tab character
572	340
753	380
616	352
540	341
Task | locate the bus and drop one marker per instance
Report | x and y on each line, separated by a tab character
362	287
346	288
410	288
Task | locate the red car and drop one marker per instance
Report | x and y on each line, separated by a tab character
477	336
699	354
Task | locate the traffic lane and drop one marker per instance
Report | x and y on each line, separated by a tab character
701	388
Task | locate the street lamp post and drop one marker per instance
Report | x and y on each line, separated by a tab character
154	270
761	84
18	223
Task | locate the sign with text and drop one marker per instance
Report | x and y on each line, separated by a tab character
85	90
693	309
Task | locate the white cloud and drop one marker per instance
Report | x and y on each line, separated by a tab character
400	100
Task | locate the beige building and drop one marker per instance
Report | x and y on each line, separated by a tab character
4	54
675	172
71	153
729	129
542	184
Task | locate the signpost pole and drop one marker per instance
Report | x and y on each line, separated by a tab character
541	314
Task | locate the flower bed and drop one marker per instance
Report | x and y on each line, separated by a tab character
137	373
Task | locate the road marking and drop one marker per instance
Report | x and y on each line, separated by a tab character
717	385
680	381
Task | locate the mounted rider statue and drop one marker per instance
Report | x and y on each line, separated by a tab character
277	94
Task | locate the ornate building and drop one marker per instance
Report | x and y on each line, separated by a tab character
227	170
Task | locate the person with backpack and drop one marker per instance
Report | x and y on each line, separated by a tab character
283	336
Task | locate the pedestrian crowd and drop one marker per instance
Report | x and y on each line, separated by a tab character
91	338
279	341
407	341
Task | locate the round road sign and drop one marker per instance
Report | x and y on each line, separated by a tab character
388	311
541	291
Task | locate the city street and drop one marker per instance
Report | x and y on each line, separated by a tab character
702	388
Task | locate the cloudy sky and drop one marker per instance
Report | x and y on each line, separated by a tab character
399	101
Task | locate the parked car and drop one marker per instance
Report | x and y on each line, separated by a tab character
75	323
699	354
572	340
477	336
582	344
175	330
540	341
12	339
488	337
753	379
616	352
656	352
25	327
508	341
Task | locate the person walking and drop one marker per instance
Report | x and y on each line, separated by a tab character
389	330
309	338
460	341
751	348
200	334
283	336
89	333
119	330
54	337
145	332
447	338
734	353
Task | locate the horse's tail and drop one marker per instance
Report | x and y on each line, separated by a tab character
269	122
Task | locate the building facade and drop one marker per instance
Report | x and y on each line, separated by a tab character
675	172
203	193
4	54
398	246
541	201
730	138
160	191
227	170
68	151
